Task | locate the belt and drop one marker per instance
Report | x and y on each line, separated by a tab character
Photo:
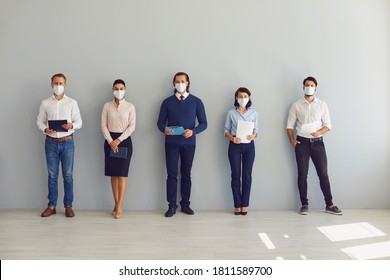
59	140
311	140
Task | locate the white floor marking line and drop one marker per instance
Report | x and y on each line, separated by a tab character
267	242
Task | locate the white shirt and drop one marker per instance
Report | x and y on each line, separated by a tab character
64	109
315	114
185	94
119	119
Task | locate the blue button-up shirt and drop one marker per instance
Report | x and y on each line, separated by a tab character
234	115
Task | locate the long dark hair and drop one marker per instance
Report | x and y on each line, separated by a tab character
187	78
242	89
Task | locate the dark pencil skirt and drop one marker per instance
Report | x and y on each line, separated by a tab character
117	166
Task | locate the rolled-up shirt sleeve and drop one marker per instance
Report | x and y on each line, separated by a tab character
228	124
76	116
325	118
256	123
42	118
292	118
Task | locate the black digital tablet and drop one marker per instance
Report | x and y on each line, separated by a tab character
57	125
122	153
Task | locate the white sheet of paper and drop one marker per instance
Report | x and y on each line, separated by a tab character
309	128
244	129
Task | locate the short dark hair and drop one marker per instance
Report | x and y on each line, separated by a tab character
119	81
60	75
187	78
242	89
310	79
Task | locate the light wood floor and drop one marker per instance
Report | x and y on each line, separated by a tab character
207	235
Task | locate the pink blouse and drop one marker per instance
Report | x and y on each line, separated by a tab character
119	119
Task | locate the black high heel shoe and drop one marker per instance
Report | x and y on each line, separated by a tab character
237	212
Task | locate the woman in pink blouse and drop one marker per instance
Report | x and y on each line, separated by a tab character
118	123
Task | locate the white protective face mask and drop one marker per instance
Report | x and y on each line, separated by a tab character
180	87
309	91
119	94
58	90
243	101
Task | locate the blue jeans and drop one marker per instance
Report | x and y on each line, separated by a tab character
241	156
172	153
316	151
55	153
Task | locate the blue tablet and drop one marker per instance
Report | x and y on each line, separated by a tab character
177	130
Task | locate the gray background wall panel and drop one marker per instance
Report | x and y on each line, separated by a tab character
267	46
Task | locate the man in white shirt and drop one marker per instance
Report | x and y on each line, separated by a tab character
311	117
59	144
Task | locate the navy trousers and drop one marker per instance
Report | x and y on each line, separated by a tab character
241	158
172	153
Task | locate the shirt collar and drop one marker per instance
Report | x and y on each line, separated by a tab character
120	102
315	100
185	94
64	97
247	109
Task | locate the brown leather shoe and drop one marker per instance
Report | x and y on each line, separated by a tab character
50	210
69	212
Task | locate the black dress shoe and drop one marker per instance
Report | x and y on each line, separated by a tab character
244	213
237	213
187	210
171	211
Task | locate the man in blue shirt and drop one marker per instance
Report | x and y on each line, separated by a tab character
180	110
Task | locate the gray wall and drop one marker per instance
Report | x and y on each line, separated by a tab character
266	45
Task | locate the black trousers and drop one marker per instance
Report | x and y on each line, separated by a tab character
316	151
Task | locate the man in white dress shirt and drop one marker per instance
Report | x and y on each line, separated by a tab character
59	144
311	117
